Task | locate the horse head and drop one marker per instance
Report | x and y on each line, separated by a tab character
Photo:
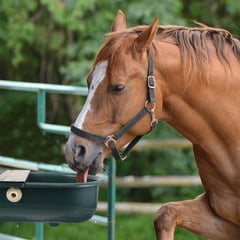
117	93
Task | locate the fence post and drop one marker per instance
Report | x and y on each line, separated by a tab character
41	106
39	231
111	197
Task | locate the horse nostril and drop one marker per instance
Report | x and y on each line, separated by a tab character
80	151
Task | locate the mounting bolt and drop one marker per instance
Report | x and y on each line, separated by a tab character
14	194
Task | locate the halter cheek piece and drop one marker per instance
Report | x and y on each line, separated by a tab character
149	107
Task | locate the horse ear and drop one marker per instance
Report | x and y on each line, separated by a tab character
144	40
119	23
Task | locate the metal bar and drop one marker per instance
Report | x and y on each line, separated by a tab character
41	106
25	164
54	128
39	231
111	198
42	89
99	220
35	87
9	237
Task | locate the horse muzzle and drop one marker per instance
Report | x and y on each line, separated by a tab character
83	155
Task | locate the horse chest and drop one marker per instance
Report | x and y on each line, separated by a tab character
227	205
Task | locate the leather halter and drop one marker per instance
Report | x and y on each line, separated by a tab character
149	107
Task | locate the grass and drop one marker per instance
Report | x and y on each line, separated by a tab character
134	227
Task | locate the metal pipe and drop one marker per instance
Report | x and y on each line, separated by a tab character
42	89
41	106
98	219
25	164
54	128
111	198
39	231
35	87
9	237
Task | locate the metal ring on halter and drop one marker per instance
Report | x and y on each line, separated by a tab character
123	156
154	121
110	140
147	102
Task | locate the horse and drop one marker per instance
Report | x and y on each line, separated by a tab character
186	76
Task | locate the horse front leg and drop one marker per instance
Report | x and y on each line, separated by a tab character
196	216
166	221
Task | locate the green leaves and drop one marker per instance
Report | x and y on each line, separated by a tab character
233	7
69	14
169	12
56	40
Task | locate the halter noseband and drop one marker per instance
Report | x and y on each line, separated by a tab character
149	107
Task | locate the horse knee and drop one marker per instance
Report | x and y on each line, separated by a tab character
165	219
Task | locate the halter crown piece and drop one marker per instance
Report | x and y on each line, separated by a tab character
149	107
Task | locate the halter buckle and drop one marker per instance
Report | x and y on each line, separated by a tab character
151	81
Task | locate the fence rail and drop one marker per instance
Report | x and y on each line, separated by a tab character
36	87
41	89
155	181
145	182
130	207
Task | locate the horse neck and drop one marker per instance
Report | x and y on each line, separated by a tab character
211	122
202	111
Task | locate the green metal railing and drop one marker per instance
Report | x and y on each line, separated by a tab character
42	90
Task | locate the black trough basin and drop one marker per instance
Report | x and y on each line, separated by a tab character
48	197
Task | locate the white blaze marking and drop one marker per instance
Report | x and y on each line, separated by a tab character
98	75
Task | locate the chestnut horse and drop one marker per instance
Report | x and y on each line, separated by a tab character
188	77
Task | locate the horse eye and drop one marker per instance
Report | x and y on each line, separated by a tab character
117	88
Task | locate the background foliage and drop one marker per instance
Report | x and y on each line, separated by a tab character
55	41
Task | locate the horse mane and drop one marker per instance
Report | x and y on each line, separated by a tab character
195	44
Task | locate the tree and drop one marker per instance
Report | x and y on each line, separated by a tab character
222	14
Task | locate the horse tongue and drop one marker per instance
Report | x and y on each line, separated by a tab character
82	177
